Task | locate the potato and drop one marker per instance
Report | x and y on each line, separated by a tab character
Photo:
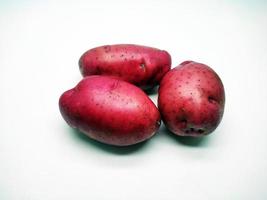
140	65
191	99
110	110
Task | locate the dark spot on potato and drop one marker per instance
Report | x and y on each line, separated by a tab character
212	100
107	48
182	121
194	130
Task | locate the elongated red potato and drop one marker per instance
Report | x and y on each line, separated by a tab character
140	65
110	110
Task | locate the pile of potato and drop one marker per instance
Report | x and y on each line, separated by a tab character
110	103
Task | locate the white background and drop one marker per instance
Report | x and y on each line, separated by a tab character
42	158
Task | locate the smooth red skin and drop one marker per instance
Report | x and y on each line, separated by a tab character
140	65
110	110
191	99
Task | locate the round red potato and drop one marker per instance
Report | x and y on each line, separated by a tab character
191	99
110	110
140	65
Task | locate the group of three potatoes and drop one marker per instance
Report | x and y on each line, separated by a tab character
110	104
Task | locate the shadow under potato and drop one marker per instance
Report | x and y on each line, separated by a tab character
120	150
151	91
187	140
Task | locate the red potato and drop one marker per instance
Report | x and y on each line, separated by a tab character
191	99
110	110
140	65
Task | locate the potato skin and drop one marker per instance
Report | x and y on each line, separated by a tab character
140	65
191	99
110	110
